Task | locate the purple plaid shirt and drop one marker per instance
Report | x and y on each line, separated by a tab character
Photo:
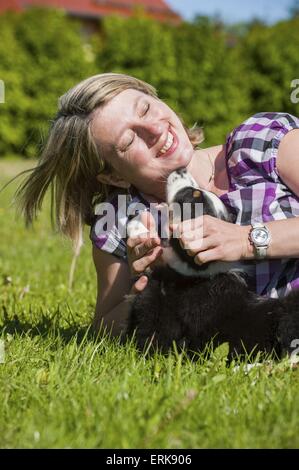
256	194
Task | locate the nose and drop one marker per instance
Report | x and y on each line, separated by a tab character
151	132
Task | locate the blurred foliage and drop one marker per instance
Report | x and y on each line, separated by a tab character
41	56
272	62
209	73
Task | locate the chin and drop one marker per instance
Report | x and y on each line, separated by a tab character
185	158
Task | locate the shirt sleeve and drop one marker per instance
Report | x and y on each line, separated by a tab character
252	147
108	230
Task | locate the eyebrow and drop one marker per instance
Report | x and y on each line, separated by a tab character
136	101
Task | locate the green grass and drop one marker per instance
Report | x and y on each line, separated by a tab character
60	387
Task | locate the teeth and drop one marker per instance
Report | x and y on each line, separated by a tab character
168	144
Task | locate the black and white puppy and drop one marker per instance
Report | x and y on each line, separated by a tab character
192	304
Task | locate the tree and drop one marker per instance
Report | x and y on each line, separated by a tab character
207	72
41	56
272	64
294	9
140	47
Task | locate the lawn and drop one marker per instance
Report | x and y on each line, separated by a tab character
62	388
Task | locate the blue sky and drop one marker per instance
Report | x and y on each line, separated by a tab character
233	11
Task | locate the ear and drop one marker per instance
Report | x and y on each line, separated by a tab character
113	179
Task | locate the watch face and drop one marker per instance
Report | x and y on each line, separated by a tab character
260	236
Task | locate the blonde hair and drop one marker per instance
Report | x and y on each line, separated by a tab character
71	159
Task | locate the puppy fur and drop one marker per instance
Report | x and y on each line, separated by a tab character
194	305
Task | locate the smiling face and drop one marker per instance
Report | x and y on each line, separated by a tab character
142	139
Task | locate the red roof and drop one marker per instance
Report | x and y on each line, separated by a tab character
157	9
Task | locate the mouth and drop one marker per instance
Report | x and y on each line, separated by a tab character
169	146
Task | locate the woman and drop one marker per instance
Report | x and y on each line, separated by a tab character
113	133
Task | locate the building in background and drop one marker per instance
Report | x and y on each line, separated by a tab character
89	12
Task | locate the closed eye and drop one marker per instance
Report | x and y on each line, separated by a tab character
145	109
130	143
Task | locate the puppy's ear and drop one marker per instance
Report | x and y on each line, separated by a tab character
196	193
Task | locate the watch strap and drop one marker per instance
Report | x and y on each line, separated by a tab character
261	251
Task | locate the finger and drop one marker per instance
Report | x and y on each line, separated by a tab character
206	256
186	226
142	226
191	224
139	285
198	246
146	246
188	238
148	221
139	265
132	242
143	248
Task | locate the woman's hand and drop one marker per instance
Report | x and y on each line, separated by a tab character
143	251
207	239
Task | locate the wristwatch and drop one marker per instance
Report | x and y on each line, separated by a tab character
260	237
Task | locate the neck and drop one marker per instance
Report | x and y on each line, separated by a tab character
208	168
204	164
201	167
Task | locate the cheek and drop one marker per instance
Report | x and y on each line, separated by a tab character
133	163
140	155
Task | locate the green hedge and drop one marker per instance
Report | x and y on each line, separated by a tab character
208	74
41	56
